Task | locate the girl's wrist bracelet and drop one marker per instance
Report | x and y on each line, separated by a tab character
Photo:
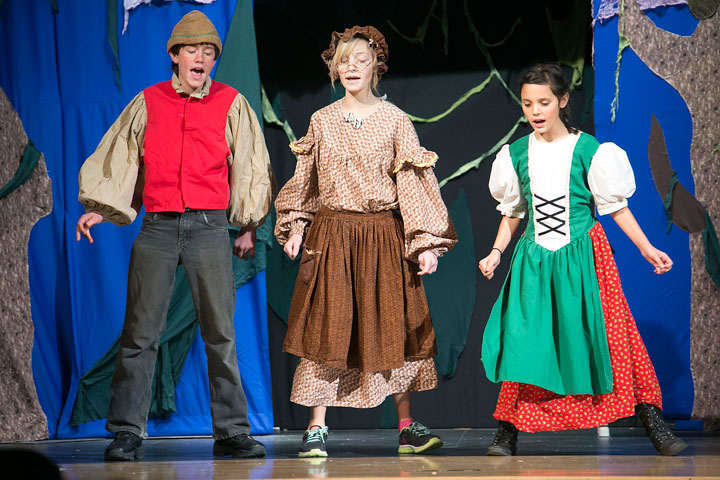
495	248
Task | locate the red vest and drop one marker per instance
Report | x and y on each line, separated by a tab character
186	154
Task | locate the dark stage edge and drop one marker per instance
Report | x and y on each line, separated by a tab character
627	453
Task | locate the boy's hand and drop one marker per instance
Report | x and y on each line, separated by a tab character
84	224
658	259
244	244
428	262
292	247
488	264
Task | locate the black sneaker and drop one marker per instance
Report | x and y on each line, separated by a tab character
505	442
239	446
416	438
313	443
125	446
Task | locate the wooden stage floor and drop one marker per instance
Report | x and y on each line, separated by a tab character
363	454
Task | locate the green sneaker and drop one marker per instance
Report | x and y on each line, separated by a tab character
313	443
416	438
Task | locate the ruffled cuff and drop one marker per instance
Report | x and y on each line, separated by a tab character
439	251
509	211
612	207
303	146
297	228
424	158
610	178
285	230
426	241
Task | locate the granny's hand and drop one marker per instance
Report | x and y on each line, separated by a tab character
84	224
292	247
428	262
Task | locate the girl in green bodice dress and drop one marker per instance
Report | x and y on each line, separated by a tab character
560	336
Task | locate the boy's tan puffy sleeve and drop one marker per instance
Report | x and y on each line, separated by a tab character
251	178
110	179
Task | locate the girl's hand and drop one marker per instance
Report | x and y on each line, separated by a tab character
658	259
292	247
627	223
428	262
488	264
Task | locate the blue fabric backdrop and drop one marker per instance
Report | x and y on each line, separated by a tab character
660	304
57	70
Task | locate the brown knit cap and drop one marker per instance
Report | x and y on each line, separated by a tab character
195	27
371	34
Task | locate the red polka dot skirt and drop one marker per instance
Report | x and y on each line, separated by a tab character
534	409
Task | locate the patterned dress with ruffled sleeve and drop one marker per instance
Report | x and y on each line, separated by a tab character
359	318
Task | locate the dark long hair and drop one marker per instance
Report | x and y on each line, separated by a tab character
551	75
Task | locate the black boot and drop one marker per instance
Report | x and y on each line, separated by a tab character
126	446
664	440
505	443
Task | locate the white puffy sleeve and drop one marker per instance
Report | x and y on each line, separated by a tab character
610	178
505	185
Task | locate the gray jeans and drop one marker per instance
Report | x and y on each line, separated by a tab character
198	238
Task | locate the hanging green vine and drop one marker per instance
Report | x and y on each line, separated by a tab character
623	43
113	38
569	35
507	37
421	32
476	163
457	103
494	73
445	28
486	54
270	116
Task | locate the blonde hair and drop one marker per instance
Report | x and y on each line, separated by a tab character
343	50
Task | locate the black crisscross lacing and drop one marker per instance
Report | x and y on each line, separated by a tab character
548	217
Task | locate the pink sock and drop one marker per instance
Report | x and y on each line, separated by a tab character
404	423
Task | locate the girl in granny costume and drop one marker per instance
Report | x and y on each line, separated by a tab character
365	209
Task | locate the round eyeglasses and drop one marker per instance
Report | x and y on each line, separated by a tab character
360	64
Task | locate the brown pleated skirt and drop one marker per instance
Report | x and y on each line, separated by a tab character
358	303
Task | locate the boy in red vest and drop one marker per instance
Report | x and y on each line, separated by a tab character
191	150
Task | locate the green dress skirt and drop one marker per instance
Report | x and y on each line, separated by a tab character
547	326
